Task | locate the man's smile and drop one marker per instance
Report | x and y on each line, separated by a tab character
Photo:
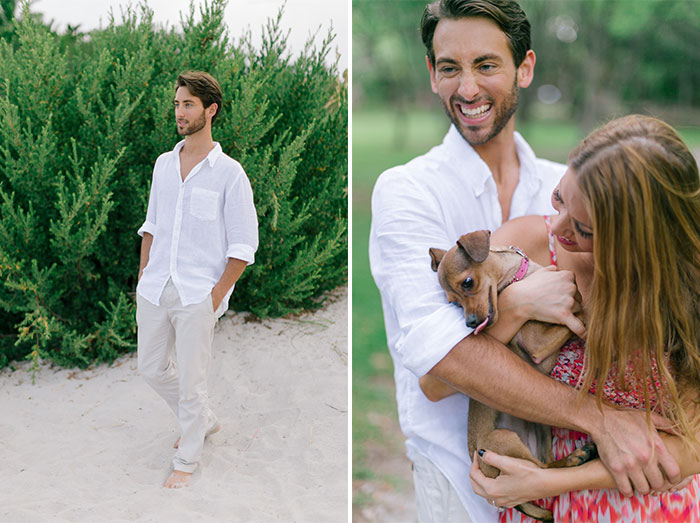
471	114
477	112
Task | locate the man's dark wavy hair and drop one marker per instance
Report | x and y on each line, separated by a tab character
507	14
204	86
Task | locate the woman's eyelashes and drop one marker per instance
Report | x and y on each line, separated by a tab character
556	195
585	235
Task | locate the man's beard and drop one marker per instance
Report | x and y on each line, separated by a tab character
504	111
195	126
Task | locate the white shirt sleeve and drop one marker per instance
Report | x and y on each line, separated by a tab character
406	222
240	220
149	226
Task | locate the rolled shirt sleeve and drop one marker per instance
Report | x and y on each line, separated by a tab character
241	221
406	223
149	225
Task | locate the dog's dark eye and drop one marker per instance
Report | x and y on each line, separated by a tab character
468	284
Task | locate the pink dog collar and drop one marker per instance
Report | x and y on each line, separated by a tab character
524	264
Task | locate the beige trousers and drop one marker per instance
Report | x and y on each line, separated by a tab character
174	349
436	499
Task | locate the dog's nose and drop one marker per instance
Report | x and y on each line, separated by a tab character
473	321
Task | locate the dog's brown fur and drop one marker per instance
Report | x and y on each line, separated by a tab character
472	275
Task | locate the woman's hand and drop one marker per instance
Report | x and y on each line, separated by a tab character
547	295
518	483
521	481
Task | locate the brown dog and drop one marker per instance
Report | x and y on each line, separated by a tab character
472	274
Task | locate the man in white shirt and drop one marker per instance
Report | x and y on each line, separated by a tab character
200	233
484	173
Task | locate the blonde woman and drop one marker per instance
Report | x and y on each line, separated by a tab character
629	228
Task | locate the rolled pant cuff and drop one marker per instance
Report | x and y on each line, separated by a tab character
189	468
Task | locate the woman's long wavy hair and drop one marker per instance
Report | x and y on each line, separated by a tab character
642	190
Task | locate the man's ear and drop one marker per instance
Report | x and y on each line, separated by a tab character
526	70
212	109
431	70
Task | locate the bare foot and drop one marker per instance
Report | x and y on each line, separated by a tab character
216	428
178	479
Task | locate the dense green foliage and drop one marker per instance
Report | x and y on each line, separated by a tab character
85	117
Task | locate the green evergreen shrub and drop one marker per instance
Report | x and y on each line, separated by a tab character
83	121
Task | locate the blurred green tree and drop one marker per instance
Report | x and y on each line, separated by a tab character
604	57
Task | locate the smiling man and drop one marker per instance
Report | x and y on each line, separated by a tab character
200	233
483	173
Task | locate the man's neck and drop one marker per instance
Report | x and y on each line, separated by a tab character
199	143
500	154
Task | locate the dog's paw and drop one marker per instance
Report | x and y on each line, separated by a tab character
582	455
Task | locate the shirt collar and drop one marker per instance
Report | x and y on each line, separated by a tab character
211	157
462	154
530	176
526	155
479	173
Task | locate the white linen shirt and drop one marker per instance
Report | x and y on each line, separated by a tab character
197	224
431	202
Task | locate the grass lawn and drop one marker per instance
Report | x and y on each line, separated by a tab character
376	435
380	140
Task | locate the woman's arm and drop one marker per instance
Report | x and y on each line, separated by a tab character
521	481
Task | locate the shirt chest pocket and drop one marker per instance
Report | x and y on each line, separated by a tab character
204	204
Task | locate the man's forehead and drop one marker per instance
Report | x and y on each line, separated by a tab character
183	94
477	36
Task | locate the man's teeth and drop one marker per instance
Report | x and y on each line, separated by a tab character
474	113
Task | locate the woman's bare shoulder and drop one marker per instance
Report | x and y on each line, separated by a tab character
528	233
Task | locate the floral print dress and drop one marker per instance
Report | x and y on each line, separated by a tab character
607	505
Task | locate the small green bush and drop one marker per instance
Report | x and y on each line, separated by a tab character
83	120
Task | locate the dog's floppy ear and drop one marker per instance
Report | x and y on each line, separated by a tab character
476	244
436	257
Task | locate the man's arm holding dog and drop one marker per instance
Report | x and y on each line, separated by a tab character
500	379
555	289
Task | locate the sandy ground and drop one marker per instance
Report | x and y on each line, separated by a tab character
96	445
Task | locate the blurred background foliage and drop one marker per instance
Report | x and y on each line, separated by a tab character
596	59
84	117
